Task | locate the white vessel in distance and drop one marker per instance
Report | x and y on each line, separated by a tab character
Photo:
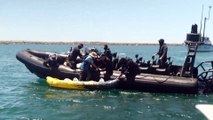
204	43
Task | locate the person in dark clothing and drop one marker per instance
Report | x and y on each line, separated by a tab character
106	64
162	52
130	69
107	52
74	54
109	70
51	61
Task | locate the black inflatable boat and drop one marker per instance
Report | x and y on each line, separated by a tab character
35	61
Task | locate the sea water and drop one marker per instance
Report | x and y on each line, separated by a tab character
24	96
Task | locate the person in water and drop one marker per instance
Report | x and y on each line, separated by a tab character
74	54
86	73
162	52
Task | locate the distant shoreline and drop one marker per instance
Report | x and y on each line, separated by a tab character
85	43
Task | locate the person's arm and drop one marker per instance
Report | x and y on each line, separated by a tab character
157	52
94	65
80	55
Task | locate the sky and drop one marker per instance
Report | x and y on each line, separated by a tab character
128	21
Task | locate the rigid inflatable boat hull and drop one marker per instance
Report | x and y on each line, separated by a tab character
34	61
161	83
36	65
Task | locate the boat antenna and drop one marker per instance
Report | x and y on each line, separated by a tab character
201	21
204	27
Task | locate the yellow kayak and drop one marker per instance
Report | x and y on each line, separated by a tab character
82	85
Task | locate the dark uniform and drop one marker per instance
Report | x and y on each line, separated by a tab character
162	52
107	52
74	54
130	69
109	65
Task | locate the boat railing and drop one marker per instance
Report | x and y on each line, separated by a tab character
206	80
203	65
206	76
206	73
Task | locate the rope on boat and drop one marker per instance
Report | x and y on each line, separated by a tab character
160	82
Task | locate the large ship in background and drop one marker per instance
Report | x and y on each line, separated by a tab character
203	42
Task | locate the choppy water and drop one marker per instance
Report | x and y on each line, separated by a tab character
25	97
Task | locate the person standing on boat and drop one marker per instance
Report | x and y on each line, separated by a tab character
162	52
107	52
86	73
74	54
108	62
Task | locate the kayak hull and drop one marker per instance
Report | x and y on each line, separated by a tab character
82	85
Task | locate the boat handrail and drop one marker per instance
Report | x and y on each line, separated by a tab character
205	62
206	76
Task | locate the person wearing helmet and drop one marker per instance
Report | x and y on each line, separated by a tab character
86	73
74	54
162	52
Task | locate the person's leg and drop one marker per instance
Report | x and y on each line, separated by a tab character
83	76
107	76
73	65
89	75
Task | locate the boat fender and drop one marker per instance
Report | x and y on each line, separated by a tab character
67	79
101	80
75	79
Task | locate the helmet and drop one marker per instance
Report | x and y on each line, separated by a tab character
81	45
161	41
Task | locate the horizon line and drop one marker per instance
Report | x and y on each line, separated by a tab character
84	42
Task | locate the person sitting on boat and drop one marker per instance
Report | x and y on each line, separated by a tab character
73	56
87	71
51	61
162	52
